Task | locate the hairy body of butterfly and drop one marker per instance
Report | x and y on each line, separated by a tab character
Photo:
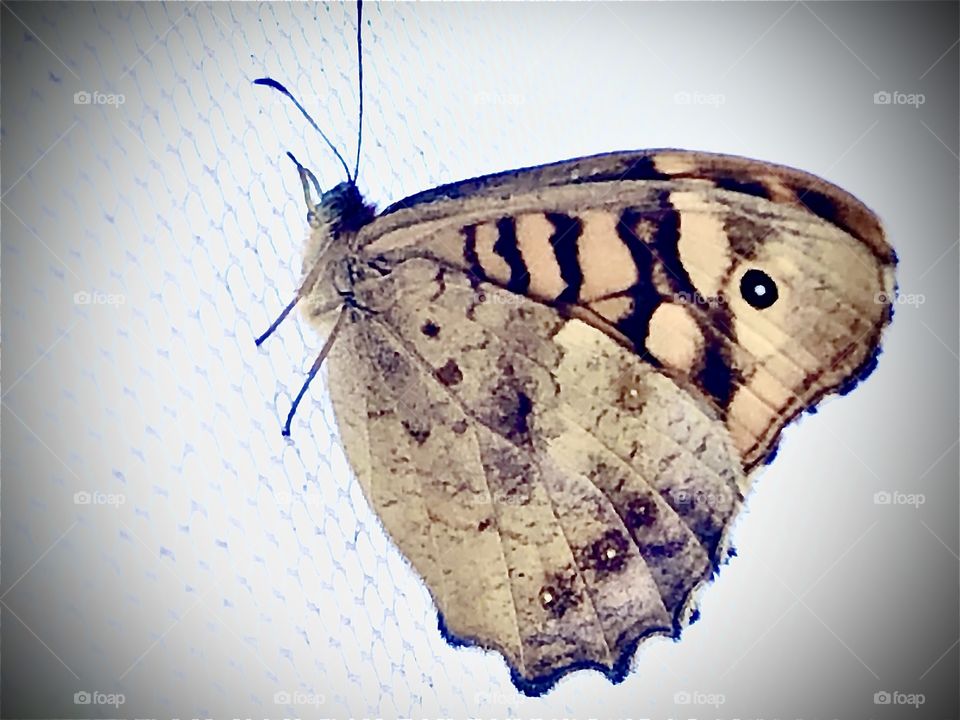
555	383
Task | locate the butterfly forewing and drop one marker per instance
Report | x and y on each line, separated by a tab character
657	264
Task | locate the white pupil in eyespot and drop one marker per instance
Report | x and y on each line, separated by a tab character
760	290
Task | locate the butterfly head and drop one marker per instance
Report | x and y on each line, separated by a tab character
807	310
343	209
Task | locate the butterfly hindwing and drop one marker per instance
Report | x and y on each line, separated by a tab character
417	458
558	537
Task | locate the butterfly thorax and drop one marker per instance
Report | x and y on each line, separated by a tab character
330	269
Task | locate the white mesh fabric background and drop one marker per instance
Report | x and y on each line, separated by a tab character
208	567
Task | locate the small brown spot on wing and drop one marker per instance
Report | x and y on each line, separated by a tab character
417	432
388	361
640	512
631	391
667	549
559	594
607	554
508	412
450	374
510	475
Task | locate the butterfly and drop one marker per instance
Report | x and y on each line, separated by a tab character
554	384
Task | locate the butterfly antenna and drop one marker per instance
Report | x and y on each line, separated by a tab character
315	368
270	82
356	167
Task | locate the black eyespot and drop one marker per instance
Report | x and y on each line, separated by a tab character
758	289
